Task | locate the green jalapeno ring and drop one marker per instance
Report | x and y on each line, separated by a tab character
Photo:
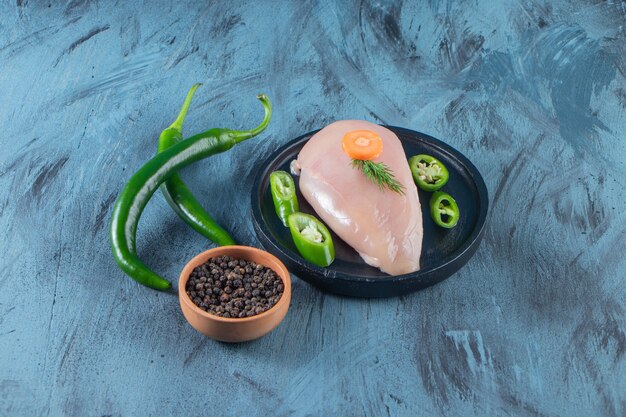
312	239
283	194
429	173
444	210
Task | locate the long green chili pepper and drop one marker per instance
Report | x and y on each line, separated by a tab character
176	193
135	195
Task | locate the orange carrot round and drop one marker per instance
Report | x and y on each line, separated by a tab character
364	145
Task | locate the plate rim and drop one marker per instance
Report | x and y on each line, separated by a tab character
264	234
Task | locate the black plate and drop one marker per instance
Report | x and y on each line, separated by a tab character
443	251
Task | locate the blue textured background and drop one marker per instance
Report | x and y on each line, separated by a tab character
534	92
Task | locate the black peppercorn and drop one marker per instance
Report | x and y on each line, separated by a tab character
234	288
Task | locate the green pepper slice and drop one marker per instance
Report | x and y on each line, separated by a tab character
428	172
444	210
312	239
283	194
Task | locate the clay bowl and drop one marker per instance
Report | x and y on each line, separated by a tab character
231	329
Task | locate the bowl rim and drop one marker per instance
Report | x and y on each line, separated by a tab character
210	253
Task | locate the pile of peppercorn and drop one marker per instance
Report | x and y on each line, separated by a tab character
234	288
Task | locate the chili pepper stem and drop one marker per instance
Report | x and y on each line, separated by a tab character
178	123
241	135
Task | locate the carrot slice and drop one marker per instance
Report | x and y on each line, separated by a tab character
362	144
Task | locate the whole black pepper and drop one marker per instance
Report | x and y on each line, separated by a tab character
236	288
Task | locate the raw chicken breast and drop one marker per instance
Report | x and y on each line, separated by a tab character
384	227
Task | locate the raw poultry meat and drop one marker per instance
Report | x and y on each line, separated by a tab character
383	226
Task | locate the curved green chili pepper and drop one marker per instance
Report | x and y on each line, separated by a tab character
176	193
283	194
312	239
428	172
444	210
135	195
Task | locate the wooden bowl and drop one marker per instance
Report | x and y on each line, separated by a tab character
235	329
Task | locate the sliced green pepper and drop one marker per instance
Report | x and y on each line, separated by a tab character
312	239
428	172
283	194
444	210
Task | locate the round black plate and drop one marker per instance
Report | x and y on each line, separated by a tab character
443	251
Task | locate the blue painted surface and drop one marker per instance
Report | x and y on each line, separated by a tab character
534	92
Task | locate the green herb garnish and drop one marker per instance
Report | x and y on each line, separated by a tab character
379	173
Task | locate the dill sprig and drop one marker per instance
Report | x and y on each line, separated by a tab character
380	174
